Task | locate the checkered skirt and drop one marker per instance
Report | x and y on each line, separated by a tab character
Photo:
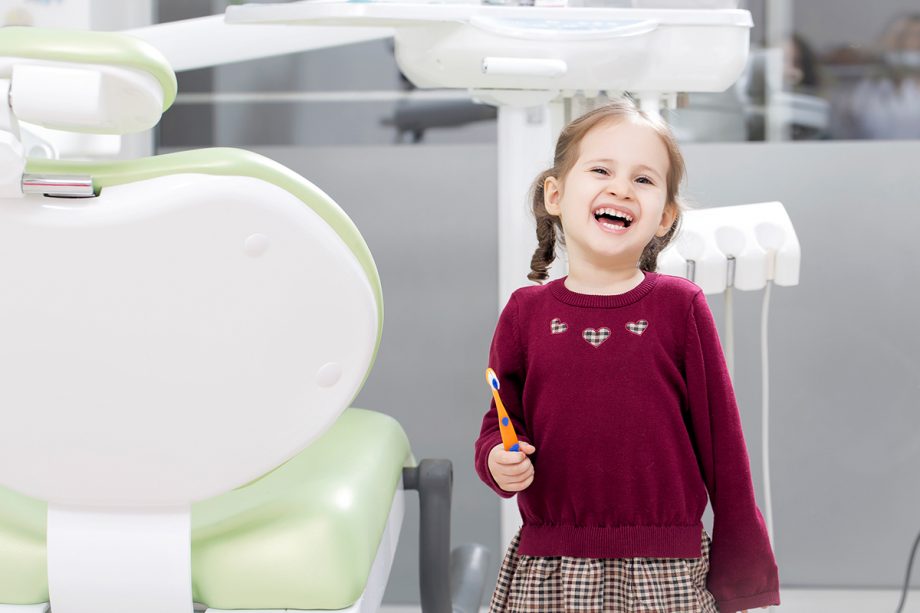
531	584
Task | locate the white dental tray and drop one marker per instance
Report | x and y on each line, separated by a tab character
477	46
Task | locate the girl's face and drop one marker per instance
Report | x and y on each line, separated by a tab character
613	200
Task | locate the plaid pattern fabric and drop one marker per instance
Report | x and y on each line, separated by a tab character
529	584
637	327
557	326
596	337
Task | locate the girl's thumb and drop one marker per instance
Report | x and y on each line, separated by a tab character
527	448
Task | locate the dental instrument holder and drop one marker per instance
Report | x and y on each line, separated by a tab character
758	240
730	241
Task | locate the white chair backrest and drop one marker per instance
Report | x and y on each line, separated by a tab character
172	338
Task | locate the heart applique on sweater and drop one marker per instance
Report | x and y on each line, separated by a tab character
596	337
557	326
637	327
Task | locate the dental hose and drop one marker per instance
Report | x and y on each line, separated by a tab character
765	410
910	566
730	332
765	388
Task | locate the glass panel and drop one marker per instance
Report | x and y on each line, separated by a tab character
349	95
818	69
873	74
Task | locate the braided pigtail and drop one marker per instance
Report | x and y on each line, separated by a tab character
545	253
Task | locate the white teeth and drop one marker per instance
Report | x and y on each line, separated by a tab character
614	213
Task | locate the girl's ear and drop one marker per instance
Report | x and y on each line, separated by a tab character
551	195
667	219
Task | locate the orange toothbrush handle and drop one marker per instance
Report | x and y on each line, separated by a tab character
509	438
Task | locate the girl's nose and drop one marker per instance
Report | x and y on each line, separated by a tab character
620	187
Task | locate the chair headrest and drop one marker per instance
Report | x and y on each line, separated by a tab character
113	83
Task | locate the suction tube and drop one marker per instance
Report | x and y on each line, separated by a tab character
771	237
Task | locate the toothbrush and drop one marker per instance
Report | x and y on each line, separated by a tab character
509	438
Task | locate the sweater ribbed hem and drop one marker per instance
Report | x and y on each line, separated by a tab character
596	301
611	542
765	599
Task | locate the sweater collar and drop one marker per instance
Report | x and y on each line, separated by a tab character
563	294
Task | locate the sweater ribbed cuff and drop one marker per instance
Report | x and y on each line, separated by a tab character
757	601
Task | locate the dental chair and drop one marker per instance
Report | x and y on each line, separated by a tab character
180	338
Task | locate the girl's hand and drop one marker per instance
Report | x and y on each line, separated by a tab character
512	470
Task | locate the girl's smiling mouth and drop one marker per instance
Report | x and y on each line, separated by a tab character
613	220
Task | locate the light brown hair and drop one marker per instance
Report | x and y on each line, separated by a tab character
549	227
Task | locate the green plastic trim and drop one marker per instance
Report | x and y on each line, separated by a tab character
228	161
83	47
303	536
23	553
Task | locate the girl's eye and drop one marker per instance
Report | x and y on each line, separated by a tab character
644	180
602	171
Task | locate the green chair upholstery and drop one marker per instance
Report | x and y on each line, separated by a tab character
302	537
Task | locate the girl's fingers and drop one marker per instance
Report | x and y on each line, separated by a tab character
517	470
518	486
521	478
510	457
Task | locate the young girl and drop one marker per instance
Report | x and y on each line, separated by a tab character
615	382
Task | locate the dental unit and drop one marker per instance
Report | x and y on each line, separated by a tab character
151	294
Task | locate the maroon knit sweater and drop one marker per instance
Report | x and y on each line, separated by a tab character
628	402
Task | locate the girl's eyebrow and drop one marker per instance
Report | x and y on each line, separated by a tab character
644	167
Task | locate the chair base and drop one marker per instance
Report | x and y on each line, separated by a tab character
370	599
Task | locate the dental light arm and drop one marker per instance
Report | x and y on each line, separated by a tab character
210	41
